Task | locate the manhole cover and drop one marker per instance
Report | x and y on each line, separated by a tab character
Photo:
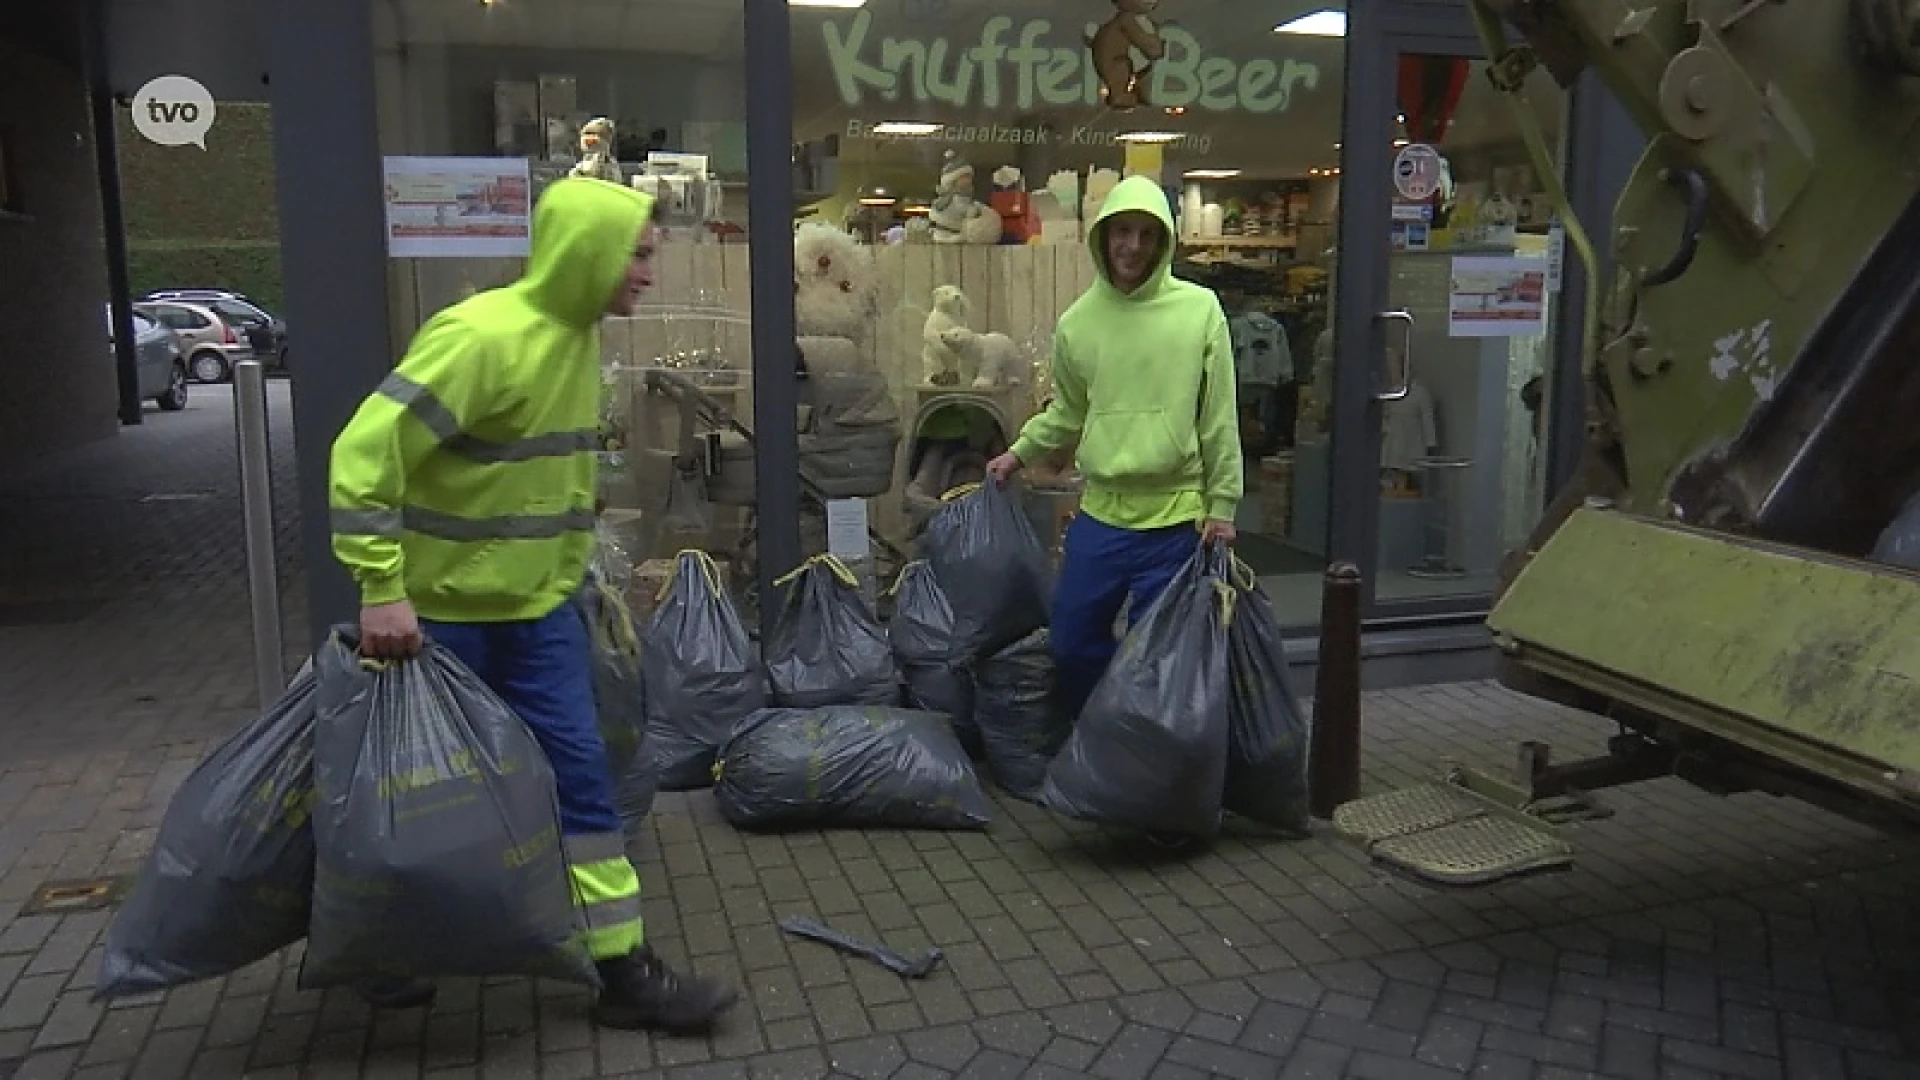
72	897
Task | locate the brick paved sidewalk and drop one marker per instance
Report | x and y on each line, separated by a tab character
1696	936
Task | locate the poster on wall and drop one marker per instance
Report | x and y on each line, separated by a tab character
1497	296
458	207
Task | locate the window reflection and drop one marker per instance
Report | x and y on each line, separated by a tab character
965	148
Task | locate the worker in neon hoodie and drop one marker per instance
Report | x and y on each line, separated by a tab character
461	498
1143	383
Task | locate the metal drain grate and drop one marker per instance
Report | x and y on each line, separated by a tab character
73	897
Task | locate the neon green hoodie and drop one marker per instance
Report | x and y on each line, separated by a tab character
1144	381
467	482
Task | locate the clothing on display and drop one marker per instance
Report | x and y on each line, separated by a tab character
1261	353
1409	430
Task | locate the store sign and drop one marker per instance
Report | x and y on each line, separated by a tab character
1018	134
1032	67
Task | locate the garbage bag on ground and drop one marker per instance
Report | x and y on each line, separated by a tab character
1899	543
993	568
619	696
849	766
436	830
700	673
1267	747
921	634
827	646
1150	749
230	878
1021	725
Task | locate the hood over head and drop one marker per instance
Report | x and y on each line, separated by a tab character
584	235
1142	194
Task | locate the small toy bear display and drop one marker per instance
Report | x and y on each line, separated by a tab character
1113	45
945	337
957	217
596	151
998	362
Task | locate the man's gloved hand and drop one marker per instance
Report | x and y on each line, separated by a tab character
390	631
1216	530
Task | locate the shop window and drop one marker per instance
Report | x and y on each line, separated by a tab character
959	154
1475	264
482	106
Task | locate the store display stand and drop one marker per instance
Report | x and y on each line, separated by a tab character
1438	479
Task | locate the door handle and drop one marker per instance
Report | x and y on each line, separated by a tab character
1406	356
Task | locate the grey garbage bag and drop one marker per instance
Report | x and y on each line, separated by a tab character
230	877
921	633
1021	725
827	647
700	672
993	568
851	767
619	698
1899	543
1150	749
436	829
1267	743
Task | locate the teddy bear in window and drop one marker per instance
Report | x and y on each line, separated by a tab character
956	216
596	151
1113	46
945	338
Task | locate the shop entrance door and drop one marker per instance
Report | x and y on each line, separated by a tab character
1448	282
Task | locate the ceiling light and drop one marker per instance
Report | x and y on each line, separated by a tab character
844	5
1318	24
1212	174
1399	142
906	127
1148	136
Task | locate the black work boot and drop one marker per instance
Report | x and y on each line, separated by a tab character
396	993
639	992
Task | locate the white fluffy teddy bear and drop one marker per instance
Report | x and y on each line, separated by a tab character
998	362
945	337
833	298
993	357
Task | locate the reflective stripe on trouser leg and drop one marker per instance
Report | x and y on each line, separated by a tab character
606	891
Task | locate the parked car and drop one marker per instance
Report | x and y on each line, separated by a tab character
267	331
213	345
159	358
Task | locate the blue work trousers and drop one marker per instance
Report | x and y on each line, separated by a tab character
1102	569
543	669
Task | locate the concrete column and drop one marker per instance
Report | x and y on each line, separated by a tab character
332	250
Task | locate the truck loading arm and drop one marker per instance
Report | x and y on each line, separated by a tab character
1753	384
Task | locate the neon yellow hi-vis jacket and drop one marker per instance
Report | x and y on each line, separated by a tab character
1143	382
466	483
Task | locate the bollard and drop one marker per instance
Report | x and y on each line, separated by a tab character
1333	756
256	506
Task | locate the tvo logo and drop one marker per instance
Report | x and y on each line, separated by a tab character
174	110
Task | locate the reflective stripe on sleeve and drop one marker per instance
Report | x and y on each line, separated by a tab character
440	420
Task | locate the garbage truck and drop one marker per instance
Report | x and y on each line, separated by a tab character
1728	582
